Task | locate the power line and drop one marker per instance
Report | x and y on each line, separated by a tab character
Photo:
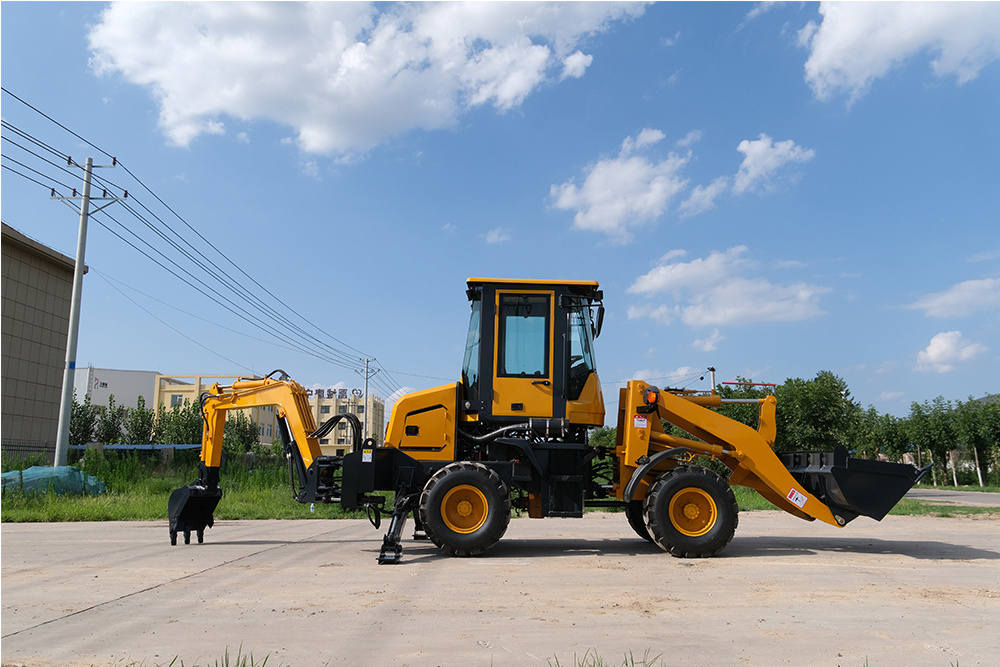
256	307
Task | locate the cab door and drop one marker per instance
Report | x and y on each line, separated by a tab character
523	362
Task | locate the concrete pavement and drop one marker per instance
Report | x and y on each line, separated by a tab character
906	591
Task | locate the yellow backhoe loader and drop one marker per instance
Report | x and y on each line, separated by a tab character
513	433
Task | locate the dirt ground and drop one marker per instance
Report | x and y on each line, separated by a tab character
906	591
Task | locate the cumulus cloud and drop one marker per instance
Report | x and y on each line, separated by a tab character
857	43
763	158
962	299
624	192
709	344
702	197
345	76
575	64
947	349
634	188
715	291
498	235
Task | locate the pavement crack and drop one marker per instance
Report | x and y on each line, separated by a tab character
162	584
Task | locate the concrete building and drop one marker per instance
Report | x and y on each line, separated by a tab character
175	390
37	285
100	384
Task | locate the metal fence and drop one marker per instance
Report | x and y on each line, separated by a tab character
22	449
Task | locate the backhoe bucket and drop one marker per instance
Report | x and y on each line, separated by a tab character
190	508
851	487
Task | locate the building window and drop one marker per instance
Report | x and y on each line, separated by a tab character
324	441
176	400
361	409
342	409
324	410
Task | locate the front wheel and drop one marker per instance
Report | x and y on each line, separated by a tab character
691	512
465	508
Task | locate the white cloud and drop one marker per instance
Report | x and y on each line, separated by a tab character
345	76
624	192
575	64
962	299
858	43
763	159
709	344
498	235
715	292
702	197
692	137
947	349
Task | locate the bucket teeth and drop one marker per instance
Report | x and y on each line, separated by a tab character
191	508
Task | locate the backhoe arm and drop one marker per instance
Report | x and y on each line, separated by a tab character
312	476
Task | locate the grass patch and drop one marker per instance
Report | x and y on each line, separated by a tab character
593	659
140	483
909	506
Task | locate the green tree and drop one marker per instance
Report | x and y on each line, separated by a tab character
745	413
816	414
876	434
82	421
181	425
108	430
930	427
603	436
139	424
241	433
989	427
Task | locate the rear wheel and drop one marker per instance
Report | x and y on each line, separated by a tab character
691	512
637	519
465	508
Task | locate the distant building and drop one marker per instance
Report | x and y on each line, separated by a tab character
37	286
176	390
100	384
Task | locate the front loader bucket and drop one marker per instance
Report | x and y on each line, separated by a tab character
851	487
190	508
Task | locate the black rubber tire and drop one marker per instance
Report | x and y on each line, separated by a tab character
691	512
636	516
457	488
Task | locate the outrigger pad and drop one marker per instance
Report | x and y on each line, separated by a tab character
849	486
191	508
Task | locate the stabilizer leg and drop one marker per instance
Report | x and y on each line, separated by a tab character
392	548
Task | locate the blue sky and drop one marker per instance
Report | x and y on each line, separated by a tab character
770	189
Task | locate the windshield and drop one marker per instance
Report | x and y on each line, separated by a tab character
470	367
581	353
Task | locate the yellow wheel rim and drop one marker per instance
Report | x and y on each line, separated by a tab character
464	509
693	512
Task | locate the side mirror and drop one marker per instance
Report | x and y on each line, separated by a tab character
600	320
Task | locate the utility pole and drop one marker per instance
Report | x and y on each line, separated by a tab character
66	405
367	375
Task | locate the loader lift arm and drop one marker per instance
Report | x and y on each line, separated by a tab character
831	487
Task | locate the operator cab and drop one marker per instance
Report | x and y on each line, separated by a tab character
530	353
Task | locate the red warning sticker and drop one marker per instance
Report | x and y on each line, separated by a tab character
796	498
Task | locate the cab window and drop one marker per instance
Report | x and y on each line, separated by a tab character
523	336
